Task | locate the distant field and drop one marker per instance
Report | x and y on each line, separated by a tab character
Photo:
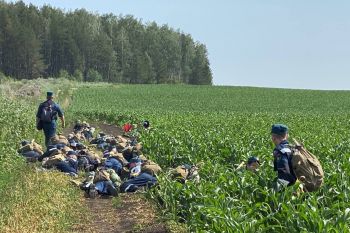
185	98
222	126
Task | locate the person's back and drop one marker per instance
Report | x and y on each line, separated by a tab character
47	115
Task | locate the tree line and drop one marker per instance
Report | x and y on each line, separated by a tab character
84	46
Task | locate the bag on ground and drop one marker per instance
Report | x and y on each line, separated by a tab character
180	173
59	139
151	168
101	175
53	160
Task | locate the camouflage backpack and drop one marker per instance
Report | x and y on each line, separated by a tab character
59	139
26	148
185	172
38	148
53	160
307	167
102	175
151	168
31	146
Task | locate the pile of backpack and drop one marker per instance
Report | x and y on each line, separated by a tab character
110	164
116	164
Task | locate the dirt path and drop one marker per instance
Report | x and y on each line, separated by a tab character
129	212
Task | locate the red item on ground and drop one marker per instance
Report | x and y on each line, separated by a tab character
127	127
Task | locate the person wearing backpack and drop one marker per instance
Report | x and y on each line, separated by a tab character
46	117
282	157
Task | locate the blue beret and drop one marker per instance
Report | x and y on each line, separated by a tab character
279	129
49	94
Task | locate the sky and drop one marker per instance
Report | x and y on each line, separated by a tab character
270	43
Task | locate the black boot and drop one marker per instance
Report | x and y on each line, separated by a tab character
92	193
111	189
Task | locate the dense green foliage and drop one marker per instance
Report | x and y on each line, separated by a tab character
11	134
223	126
85	46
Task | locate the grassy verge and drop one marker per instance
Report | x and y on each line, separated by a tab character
32	201
39	202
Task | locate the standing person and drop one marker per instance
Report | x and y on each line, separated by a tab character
47	115
282	157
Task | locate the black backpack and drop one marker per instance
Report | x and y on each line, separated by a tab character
47	112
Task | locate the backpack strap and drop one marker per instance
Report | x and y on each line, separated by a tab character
51	104
47	103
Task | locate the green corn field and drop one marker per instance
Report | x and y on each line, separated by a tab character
223	126
218	127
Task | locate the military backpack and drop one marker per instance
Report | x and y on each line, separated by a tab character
151	168
307	168
185	172
47	112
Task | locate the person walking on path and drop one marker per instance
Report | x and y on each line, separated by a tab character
47	115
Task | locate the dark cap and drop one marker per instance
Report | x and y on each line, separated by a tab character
60	146
71	152
112	147
146	124
73	143
49	94
253	159
25	142
279	129
51	147
80	146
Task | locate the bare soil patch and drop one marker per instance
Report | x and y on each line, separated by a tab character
130	213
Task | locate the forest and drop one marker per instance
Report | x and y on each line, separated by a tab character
84	46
